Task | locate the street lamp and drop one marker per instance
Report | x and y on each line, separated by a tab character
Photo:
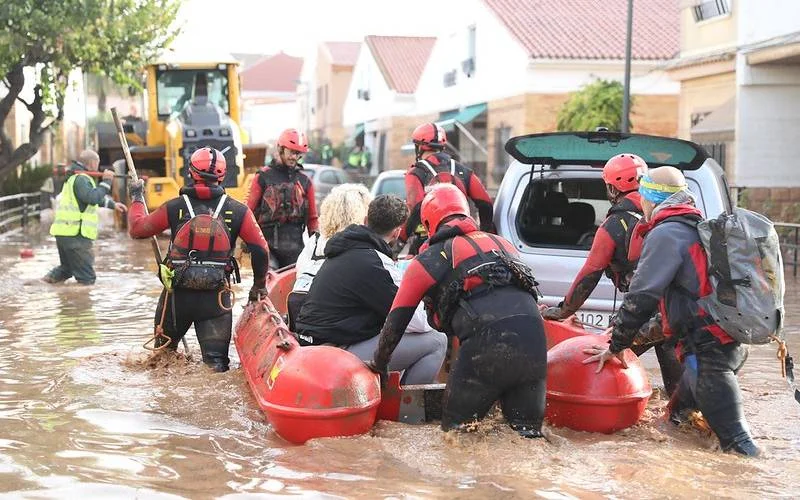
626	89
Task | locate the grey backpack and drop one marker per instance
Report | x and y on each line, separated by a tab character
745	269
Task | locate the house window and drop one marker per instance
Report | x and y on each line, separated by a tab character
502	160
320	102
468	65
326	94
710	8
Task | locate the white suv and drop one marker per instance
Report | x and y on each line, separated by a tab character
552	200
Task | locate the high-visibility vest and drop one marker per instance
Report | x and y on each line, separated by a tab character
69	220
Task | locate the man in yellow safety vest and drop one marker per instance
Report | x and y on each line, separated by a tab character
75	224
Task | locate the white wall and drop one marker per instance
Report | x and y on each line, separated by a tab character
265	122
547	77
500	62
367	76
764	19
767	124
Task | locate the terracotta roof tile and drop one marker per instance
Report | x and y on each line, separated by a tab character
278	73
343	53
401	59
591	29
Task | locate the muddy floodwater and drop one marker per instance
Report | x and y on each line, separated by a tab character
82	415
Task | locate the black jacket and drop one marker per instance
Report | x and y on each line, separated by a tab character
352	292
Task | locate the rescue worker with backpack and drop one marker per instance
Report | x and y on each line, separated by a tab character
474	288
283	201
434	166
204	224
609	254
686	270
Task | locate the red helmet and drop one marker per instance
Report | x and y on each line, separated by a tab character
207	164
429	137
442	201
294	140
623	172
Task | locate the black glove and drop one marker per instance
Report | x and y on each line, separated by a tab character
382	371
136	190
257	294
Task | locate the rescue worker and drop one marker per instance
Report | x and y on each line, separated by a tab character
474	289
353	290
434	165
282	199
672	273
609	254
75	221
207	307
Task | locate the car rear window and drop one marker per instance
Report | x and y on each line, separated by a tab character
595	148
562	213
393	185
309	172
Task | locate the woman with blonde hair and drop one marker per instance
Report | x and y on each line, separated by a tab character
346	204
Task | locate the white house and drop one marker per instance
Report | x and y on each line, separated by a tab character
502	68
380	102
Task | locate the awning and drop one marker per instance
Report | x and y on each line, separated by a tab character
447	120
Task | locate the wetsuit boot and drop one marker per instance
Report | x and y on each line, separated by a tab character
214	336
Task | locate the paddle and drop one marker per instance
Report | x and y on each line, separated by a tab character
134	178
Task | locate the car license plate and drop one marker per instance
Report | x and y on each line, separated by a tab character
596	319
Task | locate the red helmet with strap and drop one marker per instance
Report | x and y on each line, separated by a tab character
207	165
429	137
623	172
442	201
293	140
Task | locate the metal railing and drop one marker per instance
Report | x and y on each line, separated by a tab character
789	234
16	212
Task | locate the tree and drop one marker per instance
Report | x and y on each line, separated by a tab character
113	38
598	104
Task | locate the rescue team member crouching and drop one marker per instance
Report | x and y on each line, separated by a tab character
433	166
671	275
75	224
609	254
204	224
475	289
282	199
353	291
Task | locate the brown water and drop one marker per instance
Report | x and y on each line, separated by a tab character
82	416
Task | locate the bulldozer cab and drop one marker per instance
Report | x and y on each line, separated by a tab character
176	88
189	105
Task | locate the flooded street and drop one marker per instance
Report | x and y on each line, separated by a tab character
82	415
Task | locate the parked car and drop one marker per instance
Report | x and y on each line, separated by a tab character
552	200
324	178
390	182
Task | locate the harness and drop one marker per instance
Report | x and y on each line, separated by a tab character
498	271
621	268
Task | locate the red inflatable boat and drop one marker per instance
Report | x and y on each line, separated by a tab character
322	391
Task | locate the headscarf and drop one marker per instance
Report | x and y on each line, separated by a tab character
657	193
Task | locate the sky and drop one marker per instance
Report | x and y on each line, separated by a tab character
297	26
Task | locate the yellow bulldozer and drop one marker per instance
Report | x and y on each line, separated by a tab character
189	105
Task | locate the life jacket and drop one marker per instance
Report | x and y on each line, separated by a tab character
283	201
489	267
448	172
200	254
627	215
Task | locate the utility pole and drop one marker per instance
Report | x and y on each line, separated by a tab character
626	91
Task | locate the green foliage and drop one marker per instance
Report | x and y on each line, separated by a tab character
598	104
25	179
111	38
